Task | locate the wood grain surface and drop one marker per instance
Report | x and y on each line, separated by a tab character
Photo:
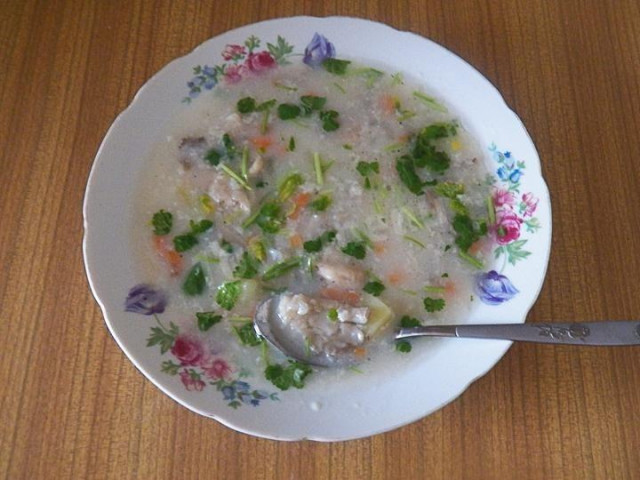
71	404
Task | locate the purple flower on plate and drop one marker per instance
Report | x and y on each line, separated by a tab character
318	50
493	288
145	300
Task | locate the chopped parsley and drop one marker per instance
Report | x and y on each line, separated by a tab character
229	146
374	288
228	294
200	227
288	111
321	203
248	266
329	120
270	217
292	144
187	241
403	346
212	157
287	376
405	167
182	243
332	315
247	335
467	235
289	185
366	169
315	245
281	268
336	66
206	320
432	305
246	105
355	249
409	322
449	189
162	222
312	102
195	281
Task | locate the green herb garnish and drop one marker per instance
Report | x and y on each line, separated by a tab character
287	376
229	146
247	335
162	222
329	120
409	322
292	144
182	243
248	266
332	314
449	189
374	288
289	185
195	281
270	217
355	249
288	111
433	304
430	102
228	294
368	168
313	246
311	103
246	105
321	203
336	66
405	167
467	234
403	346
281	268
200	227
206	320
212	157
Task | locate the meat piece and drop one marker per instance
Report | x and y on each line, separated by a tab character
192	150
344	276
226	192
312	319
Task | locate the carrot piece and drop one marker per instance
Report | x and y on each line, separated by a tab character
262	142
339	295
379	248
396	278
300	201
388	103
295	240
360	352
172	258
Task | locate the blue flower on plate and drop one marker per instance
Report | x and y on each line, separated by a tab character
493	288
318	50
515	175
145	300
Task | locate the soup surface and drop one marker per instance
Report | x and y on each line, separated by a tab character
354	194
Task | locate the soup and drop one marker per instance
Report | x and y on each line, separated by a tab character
351	192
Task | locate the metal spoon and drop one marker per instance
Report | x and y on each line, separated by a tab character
612	333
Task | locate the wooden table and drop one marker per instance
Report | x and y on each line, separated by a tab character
72	405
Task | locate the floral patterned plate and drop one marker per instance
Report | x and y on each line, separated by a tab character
354	405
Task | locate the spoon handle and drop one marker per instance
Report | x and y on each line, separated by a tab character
591	333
